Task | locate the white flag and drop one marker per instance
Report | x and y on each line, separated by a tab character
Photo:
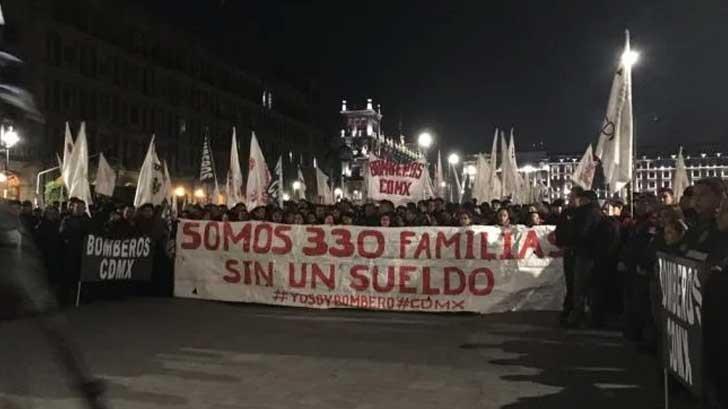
79	186
481	182
616	136
322	188
584	172
66	166
439	178
256	190
494	186
105	178
234	185
150	186
302	180
680	179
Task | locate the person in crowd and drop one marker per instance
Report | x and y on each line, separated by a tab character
311	218
465	218
329	219
703	241
534	219
687	206
73	229
385	220
276	215
298	218
259	213
347	219
48	239
666	196
27	217
503	217
587	218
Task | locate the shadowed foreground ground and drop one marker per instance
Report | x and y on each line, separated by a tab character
164	353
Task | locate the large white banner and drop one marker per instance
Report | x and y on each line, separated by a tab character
397	182
482	269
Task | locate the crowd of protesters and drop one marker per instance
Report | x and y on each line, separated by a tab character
610	255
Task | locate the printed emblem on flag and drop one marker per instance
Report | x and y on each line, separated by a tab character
251	164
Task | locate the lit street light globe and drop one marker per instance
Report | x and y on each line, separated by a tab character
199	193
286	197
453	159
338	192
471	170
630	58
179	191
3	177
9	137
424	140
296	185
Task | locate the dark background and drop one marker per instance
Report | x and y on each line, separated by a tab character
462	68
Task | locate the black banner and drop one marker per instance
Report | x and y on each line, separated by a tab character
106	259
681	307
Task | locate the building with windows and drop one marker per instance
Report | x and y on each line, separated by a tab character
361	133
129	77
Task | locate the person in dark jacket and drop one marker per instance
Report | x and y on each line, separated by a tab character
74	228
587	219
48	239
564	239
24	291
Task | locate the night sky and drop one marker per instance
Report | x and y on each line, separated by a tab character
462	68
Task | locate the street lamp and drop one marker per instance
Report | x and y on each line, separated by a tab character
179	191
453	159
199	193
630	58
424	140
296	185
3	177
471	170
286	197
338	192
9	137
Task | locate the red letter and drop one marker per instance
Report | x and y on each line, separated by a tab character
318	275
316	238
215	243
404	277
488	280
390	280
292	276
426	286
281	233
442	241
449	290
507	245
469	238
264	275
531	242
357	274
343	240
189	230
257	247
424	245
484	255
229	235
234	276
380	243
404	240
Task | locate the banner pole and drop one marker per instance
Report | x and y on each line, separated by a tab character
667	401
78	294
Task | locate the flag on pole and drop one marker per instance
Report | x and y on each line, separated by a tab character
208	178
150	186
234	184
520	189
481	181
2	17
66	166
169	189
302	180
105	178
585	170
680	180
495	187
616	136
439	178
256	190
79	168
276	187
323	190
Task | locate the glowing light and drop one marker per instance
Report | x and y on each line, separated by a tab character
528	169
630	58
424	140
443	184
453	159
296	185
286	197
180	191
9	137
471	170
199	193
3	177
338	192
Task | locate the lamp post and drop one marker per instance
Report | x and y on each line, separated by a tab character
453	159
8	138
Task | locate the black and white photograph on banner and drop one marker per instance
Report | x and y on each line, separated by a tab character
277	204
